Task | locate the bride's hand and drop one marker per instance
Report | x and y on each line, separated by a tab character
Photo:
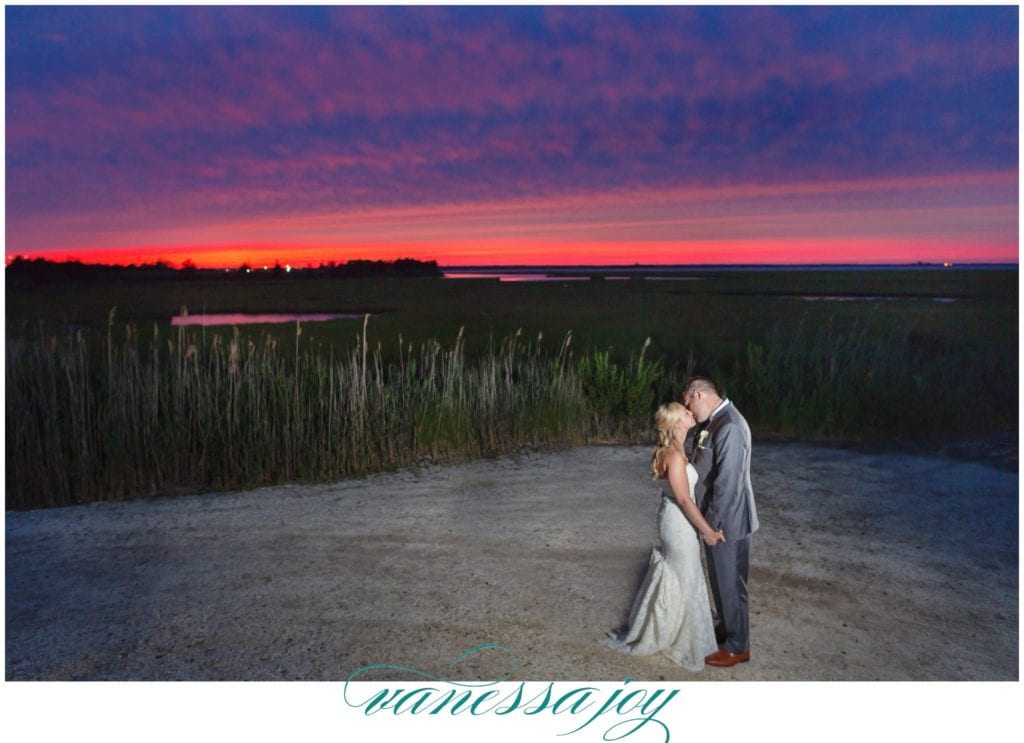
714	538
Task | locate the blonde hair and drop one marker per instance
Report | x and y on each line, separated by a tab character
665	418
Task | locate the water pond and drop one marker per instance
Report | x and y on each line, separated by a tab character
245	318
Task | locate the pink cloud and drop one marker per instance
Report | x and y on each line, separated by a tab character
916	210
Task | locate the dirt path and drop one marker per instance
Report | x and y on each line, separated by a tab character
866	567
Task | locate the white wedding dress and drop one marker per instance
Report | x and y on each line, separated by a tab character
671	613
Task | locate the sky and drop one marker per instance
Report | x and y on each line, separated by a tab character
513	135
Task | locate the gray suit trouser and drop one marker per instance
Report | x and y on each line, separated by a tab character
728	567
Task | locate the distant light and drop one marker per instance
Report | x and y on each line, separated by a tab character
266	268
947	265
248	270
287	268
227	270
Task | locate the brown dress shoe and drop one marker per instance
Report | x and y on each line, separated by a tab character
724	658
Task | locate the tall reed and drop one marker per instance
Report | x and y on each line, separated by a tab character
129	413
227	411
856	384
620	397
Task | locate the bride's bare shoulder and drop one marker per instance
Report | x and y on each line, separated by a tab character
674	458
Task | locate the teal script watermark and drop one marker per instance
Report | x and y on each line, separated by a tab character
622	712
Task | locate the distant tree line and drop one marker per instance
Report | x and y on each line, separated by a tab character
364	268
43	270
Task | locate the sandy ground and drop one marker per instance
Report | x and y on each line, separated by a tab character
867	567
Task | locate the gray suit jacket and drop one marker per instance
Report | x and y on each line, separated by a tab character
723	491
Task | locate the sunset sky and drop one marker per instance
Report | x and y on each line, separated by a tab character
529	135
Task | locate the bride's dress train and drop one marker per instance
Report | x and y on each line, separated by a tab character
671	613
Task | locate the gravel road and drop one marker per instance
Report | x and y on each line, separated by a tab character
867	567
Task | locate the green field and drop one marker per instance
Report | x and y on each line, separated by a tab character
910	355
713	316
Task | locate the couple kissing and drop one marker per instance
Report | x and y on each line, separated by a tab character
703	457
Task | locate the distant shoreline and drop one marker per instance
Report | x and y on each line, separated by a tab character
432	268
676	268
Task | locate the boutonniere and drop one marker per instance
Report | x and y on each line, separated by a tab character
703	438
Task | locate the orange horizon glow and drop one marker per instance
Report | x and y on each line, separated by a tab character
808	251
809	224
969	218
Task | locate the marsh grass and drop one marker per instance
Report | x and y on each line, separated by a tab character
620	398
857	384
127	411
116	417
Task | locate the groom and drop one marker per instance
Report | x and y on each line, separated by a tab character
721	456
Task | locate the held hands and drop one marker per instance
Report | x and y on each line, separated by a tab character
713	538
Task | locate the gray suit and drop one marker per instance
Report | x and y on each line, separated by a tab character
726	498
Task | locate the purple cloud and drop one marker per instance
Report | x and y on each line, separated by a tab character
208	114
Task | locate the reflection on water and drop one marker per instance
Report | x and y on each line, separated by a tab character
242	318
540	277
562	275
518	276
858	298
672	278
515	276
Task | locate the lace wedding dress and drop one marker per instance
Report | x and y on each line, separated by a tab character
671	613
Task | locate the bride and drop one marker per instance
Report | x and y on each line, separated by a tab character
671	613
